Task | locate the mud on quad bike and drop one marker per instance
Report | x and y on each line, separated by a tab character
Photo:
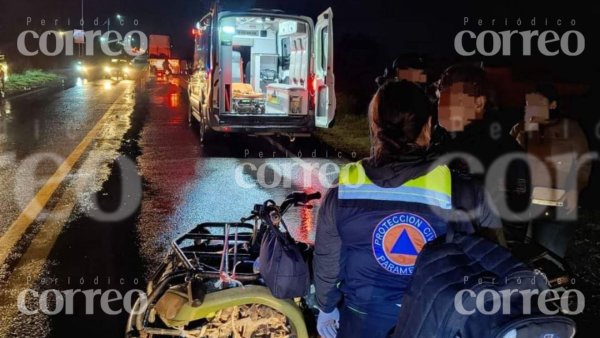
209	286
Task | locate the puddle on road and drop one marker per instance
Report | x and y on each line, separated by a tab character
226	189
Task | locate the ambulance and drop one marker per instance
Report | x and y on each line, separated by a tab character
262	72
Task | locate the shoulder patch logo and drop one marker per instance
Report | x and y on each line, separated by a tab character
398	239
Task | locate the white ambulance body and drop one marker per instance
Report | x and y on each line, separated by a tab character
263	72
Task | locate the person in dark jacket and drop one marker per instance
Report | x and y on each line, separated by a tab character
560	147
471	126
372	226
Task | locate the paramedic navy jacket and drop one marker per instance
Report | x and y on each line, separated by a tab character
371	228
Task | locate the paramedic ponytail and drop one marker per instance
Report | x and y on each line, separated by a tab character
398	113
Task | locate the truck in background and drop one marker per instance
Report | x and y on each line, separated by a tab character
159	46
159	50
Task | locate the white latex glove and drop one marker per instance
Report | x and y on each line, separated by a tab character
328	323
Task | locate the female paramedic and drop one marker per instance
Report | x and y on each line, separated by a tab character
372	226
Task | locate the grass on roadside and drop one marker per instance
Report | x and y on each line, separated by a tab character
350	134
29	79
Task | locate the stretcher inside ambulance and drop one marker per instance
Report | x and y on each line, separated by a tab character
265	65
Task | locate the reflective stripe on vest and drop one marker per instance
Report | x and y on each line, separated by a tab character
434	188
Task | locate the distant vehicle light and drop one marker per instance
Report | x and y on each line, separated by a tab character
228	29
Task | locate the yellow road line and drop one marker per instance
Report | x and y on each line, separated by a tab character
31	264
16	230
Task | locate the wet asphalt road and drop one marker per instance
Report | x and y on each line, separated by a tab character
181	184
50	122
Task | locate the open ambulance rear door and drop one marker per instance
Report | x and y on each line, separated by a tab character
324	78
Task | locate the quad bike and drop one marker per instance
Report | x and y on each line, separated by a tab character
209	285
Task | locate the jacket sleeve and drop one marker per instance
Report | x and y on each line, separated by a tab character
328	260
472	204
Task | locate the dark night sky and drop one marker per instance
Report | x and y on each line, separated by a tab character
375	30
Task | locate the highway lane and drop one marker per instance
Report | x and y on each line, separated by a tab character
34	129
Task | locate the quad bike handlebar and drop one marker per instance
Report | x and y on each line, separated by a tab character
266	212
296	199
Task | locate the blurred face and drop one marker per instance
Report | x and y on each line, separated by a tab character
537	110
412	75
456	108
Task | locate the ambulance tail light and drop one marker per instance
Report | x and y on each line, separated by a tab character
312	92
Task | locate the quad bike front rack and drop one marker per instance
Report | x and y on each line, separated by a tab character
178	294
